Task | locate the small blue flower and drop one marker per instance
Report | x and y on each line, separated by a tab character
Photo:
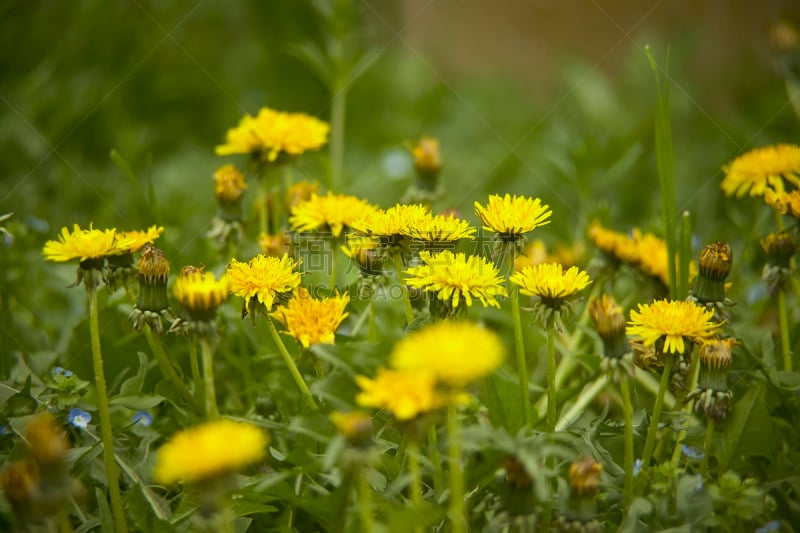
60	370
700	484
4	431
143	418
692	453
79	418
774	525
637	467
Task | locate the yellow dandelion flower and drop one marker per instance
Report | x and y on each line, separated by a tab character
80	244
311	321
584	477
457	278
391	224
333	212
512	216
273	133
275	245
762	170
242	139
456	353
355	426
785	203
404	393
263	278
613	243
200	293
209	450
436	229
229	184
673	322
550	282
129	242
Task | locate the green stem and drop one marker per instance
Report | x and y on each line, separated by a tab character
166	366
436	458
627	414
106	435
519	344
783	315
707	443
263	206
398	266
365	503
332	282
207	354
373	330
551	378
652	429
196	376
587	395
416	483
456	511
287	359
336	146
684	253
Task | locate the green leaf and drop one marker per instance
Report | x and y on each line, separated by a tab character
133	385
125	168
138	402
106	519
749	429
501	393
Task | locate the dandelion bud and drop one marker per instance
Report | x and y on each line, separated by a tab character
584	477
20	482
780	247
609	322
580	513
200	293
712	396
48	443
716	261
229	185
427	158
300	192
516	473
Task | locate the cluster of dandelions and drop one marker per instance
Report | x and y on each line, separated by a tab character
448	348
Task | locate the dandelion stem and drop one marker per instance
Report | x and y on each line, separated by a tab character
436	458
196	376
338	114
398	266
298	378
691	384
456	512
106	434
551	377
365	503
210	394
332	282
783	316
166	366
627	415
413	471
707	443
263	206
652	429
373	330
519	344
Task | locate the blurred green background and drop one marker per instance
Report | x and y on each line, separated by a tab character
547	98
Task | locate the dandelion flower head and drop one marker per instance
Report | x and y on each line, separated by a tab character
785	203
200	293
332	211
262	278
512	216
390	224
208	450
456	353
404	393
672	321
312	321
761	170
549	281
129	242
457	278
440	229
81	244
